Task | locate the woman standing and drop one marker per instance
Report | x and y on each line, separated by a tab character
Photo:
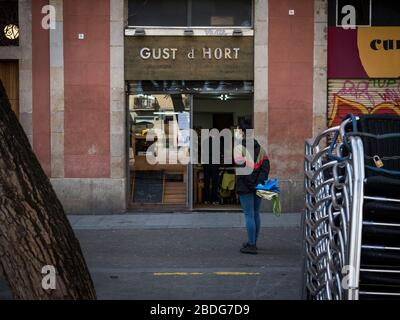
254	173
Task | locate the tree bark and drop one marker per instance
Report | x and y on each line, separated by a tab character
34	230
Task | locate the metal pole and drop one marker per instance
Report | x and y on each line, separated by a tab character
356	218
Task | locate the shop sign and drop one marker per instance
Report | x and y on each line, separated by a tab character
189	58
204	53
379	49
368	52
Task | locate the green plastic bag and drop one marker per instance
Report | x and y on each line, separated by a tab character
276	205
274	197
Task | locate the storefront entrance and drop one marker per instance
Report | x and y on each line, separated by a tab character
9	76
165	120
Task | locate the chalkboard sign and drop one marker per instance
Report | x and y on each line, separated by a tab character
149	187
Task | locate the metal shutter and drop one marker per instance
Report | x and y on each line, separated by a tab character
362	96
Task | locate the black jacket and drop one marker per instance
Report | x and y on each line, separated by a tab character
247	183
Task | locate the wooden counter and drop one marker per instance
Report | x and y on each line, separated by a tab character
174	192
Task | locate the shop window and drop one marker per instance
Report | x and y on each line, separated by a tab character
160	112
221	13
159	126
157	13
190	13
9	27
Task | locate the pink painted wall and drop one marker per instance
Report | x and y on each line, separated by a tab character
41	87
290	84
87	89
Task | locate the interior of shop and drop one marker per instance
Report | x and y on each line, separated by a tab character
171	182
214	185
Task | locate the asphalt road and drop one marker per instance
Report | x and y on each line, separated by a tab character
192	264
189	263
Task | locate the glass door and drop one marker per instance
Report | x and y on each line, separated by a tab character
159	149
216	115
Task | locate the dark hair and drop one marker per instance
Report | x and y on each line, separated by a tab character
245	125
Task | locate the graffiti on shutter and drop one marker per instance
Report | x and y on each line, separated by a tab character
362	96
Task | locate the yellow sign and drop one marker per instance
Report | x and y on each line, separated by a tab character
379	49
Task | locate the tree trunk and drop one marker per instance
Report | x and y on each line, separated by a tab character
34	230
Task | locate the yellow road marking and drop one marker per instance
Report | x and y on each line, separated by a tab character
222	273
237	273
158	274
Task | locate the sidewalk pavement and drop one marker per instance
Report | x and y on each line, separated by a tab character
179	221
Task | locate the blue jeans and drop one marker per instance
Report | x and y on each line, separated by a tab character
251	204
